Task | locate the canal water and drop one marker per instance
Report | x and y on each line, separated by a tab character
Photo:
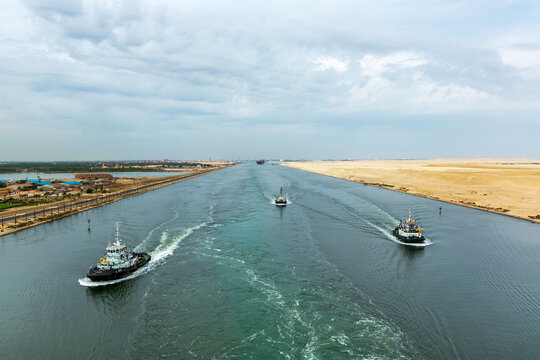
235	277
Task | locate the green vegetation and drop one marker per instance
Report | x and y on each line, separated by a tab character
7	206
93	166
10	202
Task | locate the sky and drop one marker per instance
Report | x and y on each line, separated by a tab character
129	79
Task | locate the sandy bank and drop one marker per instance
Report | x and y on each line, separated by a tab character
505	186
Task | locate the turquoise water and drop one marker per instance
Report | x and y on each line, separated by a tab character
235	277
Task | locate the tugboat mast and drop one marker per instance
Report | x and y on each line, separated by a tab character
117	233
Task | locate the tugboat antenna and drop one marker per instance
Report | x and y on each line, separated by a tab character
117	232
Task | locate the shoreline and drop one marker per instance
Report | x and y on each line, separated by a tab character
416	192
10	228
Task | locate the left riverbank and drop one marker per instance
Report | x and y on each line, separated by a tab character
24	218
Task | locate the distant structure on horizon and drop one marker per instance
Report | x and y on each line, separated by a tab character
260	161
94	176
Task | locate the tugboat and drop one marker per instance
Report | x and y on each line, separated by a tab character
281	200
118	262
409	232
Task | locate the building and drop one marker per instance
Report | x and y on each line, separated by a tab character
71	183
94	176
41	183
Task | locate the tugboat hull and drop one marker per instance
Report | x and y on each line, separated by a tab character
409	240
96	274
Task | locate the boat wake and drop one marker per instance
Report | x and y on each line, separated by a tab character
385	231
272	198
418	245
166	248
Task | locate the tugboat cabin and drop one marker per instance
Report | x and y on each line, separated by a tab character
117	251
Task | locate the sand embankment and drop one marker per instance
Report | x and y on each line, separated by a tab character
505	186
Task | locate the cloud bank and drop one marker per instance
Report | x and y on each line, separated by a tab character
154	79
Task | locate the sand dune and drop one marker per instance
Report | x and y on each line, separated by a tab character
506	186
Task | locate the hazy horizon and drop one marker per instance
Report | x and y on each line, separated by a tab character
266	159
85	80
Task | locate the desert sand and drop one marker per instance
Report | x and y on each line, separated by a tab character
505	186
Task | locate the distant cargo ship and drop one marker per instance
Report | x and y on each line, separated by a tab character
260	161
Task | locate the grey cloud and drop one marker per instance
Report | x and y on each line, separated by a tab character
56	7
162	67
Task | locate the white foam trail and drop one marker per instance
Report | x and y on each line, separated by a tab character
427	242
163	250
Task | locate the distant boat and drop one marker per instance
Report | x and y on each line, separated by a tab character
281	200
260	161
409	232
